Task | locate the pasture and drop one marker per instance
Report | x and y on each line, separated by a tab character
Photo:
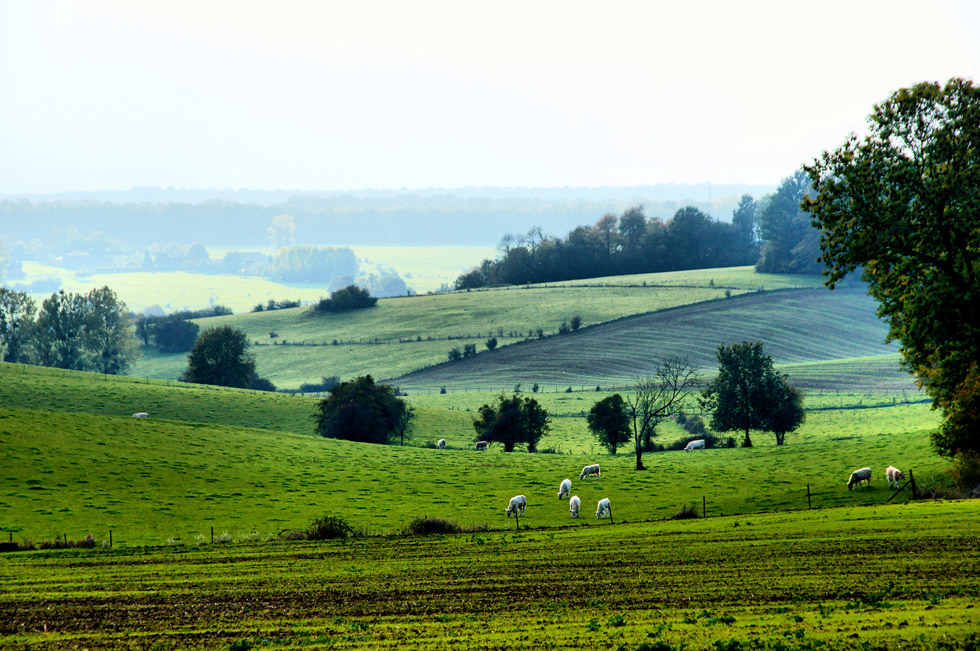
895	577
402	335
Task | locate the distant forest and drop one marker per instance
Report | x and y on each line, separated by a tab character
142	217
773	234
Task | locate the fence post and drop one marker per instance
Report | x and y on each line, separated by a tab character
915	490
212	535
704	506
809	503
110	537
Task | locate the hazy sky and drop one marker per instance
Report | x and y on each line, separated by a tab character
371	94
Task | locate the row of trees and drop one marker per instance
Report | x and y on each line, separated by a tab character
748	394
87	332
626	244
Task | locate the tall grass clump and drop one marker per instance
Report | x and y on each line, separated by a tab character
329	527
425	526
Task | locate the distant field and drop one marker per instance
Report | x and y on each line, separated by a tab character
895	577
402	335
796	327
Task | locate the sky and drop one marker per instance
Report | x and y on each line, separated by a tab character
108	95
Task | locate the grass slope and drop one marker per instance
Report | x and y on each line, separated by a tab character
403	334
796	326
897	577
149	480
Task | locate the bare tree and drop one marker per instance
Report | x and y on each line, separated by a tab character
657	397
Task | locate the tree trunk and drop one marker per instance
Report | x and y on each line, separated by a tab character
747	443
639	459
780	438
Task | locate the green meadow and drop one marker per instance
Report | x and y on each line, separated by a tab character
881	577
403	335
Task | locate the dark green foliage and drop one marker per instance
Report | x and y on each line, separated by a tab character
790	243
174	334
432	526
609	421
17	311
59	333
491	343
261	384
469	350
455	354
325	384
360	410
220	356
349	298
512	421
749	393
108	333
576	322
564	328
687	512
329	527
903	206
690	240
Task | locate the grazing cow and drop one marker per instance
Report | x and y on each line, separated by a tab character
695	445
441	445
516	506
141	414
590	470
894	475
565	489
573	505
604	510
481	445
858	476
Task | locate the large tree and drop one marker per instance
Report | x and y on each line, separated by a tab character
609	421
59	333
220	356
657	397
108	333
902	205
361	410
512	421
17	311
749	394
789	240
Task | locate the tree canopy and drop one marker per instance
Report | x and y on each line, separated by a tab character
609	421
789	239
360	410
220	356
349	298
749	394
902	205
513	421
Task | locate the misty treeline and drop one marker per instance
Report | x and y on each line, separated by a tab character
773	233
146	216
83	332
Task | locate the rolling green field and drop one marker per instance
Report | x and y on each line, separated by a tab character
895	577
401	335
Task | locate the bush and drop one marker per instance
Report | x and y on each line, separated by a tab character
328	527
966	472
349	298
491	343
455	354
687	512
431	527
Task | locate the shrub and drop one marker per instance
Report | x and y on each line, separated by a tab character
687	512
469	350
576	322
442	390
329	527
535	387
431	526
564	328
349	298
455	354
491	343
966	472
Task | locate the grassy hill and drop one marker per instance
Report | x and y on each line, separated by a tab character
798	327
400	335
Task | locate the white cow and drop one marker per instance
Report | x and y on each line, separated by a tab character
573	505
481	445
441	445
590	470
516	506
565	489
858	476
695	445
893	475
604	510
141	414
